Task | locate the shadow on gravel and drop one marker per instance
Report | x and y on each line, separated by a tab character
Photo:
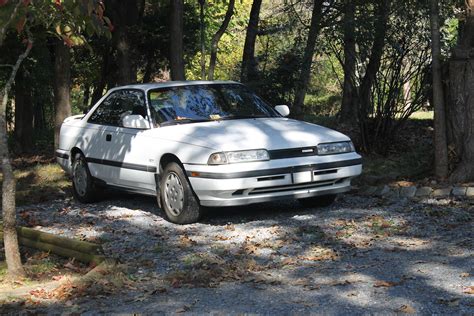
415	267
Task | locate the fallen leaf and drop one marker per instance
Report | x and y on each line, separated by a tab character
464	275
222	238
288	261
407	309
183	309
229	227
385	284
185	241
468	290
57	277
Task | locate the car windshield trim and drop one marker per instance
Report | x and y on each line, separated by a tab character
197	103
184	121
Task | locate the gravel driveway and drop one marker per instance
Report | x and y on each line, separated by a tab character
361	255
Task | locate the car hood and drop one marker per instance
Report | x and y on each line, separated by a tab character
242	134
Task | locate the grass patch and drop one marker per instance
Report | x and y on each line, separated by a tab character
422	115
3	269
40	183
413	164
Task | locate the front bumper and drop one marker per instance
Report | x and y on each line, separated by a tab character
248	183
62	158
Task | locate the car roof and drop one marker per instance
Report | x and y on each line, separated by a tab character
169	84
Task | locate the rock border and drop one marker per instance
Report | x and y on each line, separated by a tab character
415	191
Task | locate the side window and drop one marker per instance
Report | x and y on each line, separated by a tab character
118	105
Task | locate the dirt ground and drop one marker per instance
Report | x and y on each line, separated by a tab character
361	255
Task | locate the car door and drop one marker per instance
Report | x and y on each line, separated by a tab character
134	164
116	154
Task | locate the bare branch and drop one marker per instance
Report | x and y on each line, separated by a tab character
7	87
4	28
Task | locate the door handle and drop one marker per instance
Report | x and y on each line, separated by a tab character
108	137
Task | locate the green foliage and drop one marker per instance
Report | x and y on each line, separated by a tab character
152	39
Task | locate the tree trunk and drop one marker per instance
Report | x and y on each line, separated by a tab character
305	74
176	42
10	238
249	64
217	37
440	142
348	105
203	38
62	89
104	73
87	95
23	115
38	119
364	102
460	112
124	15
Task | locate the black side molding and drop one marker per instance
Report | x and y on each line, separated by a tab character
62	155
276	171
122	164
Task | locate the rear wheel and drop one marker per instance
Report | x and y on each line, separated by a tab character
178	201
83	186
318	201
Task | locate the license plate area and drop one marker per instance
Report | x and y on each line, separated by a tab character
302	177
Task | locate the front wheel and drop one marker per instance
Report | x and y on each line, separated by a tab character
83	186
318	201
178	201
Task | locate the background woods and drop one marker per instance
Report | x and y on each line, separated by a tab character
363	66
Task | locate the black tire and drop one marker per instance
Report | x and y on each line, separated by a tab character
318	201
83	187
177	199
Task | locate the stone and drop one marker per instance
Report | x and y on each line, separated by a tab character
442	192
459	191
470	192
369	190
394	193
382	190
408	192
424	191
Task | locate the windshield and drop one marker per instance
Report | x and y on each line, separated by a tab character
198	103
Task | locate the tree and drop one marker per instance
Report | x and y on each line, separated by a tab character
305	74
248	71
176	41
460	112
62	86
217	36
23	112
24	15
202	28
124	15
10	238
373	66
440	141
349	94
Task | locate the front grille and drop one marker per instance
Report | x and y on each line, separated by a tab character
284	188
293	152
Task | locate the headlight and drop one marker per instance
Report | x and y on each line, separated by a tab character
238	156
335	148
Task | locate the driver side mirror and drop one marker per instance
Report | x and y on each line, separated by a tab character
284	110
135	121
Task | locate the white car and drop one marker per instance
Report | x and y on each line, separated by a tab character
201	144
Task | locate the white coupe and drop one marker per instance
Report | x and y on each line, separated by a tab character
201	144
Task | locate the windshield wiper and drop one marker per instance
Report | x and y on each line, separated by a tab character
240	117
183	121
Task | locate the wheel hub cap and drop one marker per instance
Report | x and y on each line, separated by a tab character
174	194
80	178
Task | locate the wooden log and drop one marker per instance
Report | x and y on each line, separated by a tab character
63	242
64	252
